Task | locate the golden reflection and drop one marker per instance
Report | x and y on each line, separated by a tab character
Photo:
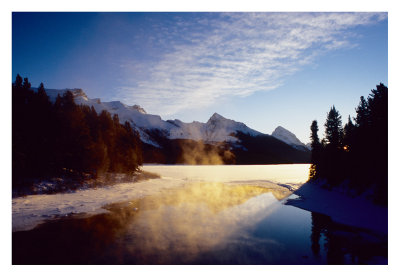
188	221
216	196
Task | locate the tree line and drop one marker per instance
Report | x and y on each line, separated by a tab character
358	152
66	139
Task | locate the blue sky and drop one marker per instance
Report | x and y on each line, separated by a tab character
263	69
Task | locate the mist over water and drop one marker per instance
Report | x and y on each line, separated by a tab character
286	173
198	218
219	215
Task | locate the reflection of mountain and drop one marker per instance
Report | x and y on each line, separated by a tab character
219	140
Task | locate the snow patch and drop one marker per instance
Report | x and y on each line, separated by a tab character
288	138
357	211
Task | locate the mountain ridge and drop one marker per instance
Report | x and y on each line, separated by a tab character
216	130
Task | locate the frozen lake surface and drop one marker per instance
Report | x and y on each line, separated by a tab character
191	215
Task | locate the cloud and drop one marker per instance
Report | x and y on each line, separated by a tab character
205	57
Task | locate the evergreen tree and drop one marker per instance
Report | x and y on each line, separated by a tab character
41	90
378	138
358	152
315	151
362	118
26	85
18	81
64	139
331	164
348	133
315	143
333	128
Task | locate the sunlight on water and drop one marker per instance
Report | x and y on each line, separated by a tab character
217	205
199	217
291	173
193	215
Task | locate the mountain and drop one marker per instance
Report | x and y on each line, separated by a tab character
170	141
216	129
289	138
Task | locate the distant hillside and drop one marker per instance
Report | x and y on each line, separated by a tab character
219	140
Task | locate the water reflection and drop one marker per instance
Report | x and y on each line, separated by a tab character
316	231
334	243
180	224
202	223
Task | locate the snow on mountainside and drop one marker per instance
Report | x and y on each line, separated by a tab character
135	115
216	129
288	137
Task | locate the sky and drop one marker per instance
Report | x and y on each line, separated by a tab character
262	69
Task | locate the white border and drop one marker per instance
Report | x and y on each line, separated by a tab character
207	5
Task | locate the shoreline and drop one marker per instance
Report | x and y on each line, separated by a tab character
70	185
357	211
31	210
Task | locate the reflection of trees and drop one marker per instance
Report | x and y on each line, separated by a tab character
90	240
344	244
316	229
323	225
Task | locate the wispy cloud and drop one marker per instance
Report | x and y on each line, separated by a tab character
212	56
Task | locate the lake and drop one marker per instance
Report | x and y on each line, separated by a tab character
213	215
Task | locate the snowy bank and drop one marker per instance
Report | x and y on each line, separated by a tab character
29	211
357	211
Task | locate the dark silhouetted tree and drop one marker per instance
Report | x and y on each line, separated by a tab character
330	165
18	81
65	139
348	134
333	128
359	152
26	84
315	150
362	118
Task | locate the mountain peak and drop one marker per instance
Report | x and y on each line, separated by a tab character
280	128
139	109
216	116
286	136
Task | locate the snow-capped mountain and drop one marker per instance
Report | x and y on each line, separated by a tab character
289	138
174	141
216	129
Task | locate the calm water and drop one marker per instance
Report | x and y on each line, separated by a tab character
203	222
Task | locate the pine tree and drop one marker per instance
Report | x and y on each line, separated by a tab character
362	118
18	81
378	139
314	135
333	128
26	85
348	134
64	139
315	151
41	89
332	165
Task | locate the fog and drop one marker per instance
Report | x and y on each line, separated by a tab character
286	173
29	211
